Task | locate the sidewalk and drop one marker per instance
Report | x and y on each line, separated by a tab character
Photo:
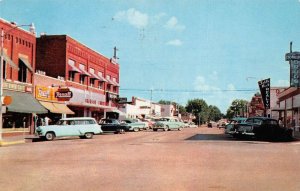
12	140
16	139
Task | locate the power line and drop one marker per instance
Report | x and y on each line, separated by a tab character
187	90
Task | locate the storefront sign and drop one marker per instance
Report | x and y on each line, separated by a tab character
43	93
122	100
84	97
63	94
292	56
264	86
16	87
295	73
111	96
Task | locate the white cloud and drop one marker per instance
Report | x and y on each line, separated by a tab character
214	95
175	42
173	24
133	17
202	85
230	87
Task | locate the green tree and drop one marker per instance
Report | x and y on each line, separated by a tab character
238	107
199	108
214	113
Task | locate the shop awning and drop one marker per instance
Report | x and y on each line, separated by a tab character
83	72
74	69
102	79
26	62
63	108
56	107
110	82
95	76
9	61
23	103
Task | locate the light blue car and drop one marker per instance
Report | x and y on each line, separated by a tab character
167	124
84	127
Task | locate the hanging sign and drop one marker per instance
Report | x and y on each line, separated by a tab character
264	86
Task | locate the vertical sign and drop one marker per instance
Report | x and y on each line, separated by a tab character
264	86
294	59
295	73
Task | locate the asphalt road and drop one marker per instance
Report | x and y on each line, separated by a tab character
192	159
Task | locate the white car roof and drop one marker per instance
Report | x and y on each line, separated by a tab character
77	118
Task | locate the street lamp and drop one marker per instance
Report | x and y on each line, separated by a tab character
32	28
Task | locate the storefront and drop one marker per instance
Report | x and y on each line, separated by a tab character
19	114
86	103
48	97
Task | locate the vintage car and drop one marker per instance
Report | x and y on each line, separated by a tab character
113	126
135	124
167	124
229	128
263	128
84	127
212	124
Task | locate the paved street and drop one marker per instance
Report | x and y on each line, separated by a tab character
192	159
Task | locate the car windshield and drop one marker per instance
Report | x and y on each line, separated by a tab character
164	119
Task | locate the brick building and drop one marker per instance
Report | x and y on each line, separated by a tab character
18	76
92	77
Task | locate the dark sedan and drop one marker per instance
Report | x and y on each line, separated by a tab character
113	126
263	128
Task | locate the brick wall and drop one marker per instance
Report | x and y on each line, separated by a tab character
51	55
18	41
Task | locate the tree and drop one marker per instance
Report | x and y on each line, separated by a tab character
214	113
238	107
199	108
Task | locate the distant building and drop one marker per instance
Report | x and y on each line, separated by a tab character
140	108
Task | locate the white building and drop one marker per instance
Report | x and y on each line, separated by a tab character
167	110
141	108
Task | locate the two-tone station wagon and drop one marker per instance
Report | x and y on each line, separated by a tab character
84	127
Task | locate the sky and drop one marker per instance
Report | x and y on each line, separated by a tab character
177	50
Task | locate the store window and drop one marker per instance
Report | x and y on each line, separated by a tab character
92	82
22	74
4	69
71	76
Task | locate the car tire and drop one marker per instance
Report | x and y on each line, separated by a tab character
166	128
88	135
49	136
136	129
180	128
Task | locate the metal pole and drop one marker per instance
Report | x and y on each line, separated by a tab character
1	83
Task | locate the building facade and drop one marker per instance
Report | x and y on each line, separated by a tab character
140	108
91	77
19	51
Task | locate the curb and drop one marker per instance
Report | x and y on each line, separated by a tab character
7	143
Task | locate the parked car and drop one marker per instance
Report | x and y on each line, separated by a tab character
113	126
135	124
212	124
229	128
264	128
167	124
149	121
193	125
186	124
84	127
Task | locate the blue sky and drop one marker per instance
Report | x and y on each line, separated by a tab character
180	49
